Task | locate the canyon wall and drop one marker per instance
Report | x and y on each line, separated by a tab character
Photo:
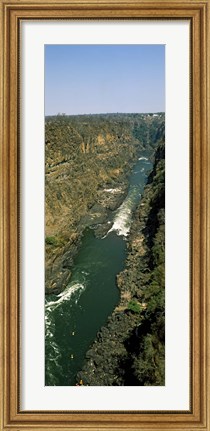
85	156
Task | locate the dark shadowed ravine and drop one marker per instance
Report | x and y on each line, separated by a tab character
73	317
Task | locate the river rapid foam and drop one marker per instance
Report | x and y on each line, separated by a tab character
65	295
123	217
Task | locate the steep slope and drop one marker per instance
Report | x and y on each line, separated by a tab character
86	156
130	349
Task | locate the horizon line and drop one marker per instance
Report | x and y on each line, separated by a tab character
64	114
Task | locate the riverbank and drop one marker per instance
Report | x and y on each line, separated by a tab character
130	349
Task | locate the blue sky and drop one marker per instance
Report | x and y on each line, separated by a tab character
91	79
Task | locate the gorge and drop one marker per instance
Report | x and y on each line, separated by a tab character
105	249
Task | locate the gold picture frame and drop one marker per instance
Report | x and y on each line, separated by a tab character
12	13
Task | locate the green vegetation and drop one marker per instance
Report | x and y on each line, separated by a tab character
149	354
56	241
134	306
51	240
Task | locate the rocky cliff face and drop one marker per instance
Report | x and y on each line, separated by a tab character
85	156
130	349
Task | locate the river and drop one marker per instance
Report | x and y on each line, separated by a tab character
73	317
